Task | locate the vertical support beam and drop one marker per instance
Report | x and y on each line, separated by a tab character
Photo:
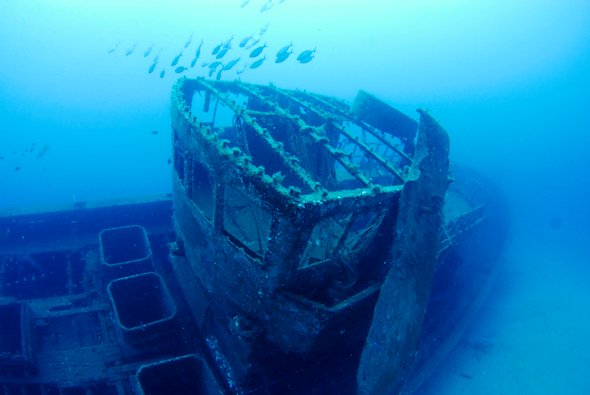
392	341
289	235
219	213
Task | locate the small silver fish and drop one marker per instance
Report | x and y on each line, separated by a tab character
110	51
257	64
131	49
194	62
244	3
263	29
287	49
306	56
284	53
214	65
148	51
227	42
253	42
198	52
222	53
267	6
244	41
162	73
188	42
257	51
231	64
218	76
216	49
282	58
180	69
176	59
152	67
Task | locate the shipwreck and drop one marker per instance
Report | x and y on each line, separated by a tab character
308	246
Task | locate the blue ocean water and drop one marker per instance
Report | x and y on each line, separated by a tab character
508	80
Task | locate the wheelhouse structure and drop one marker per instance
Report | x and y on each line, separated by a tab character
287	210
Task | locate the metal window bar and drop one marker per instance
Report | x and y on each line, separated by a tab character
369	151
345	116
317	134
288	160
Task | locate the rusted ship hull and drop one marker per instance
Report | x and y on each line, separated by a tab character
293	210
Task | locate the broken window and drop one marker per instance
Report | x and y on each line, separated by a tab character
201	189
178	158
246	221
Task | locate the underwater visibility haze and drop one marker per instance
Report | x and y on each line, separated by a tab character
85	117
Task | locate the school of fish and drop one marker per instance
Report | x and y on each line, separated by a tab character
248	53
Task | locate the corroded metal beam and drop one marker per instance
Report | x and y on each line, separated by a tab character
397	319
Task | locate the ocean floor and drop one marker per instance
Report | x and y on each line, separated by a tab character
532	335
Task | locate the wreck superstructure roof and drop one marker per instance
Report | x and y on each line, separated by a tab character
310	149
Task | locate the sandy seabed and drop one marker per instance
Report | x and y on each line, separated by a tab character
532	335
